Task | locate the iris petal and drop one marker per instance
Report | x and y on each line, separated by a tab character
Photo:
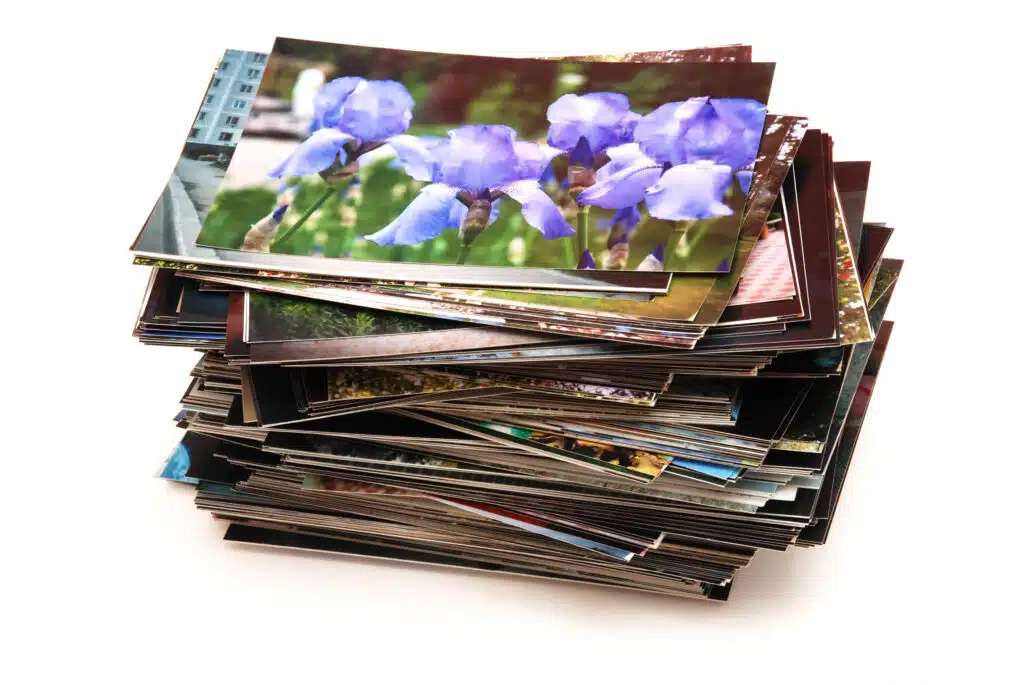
586	261
621	157
457	214
597	117
415	156
425	218
476	158
658	132
747	116
725	131
627	126
314	154
377	110
741	113
708	136
689	192
623	188
747	110
539	210
330	99
581	154
561	133
627	217
532	159
745	177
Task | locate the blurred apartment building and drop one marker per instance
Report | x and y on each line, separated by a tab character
229	99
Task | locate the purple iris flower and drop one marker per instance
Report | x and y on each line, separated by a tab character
368	110
602	119
468	173
352	116
584	126
724	131
683	160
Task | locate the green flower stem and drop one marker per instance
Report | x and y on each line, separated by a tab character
288	232
463	254
348	233
582	225
571	258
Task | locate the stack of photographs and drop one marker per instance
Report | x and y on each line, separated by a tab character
601	319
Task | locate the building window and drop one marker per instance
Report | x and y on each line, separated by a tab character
253	73
224	66
216	82
226	136
193	133
239	104
231	121
209	99
245	88
259	58
202	115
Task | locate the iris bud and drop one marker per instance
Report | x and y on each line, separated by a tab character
476	220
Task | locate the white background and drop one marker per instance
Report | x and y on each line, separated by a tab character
112	576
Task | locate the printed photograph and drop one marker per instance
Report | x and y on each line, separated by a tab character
351	487
364	451
647	463
854	326
358	383
395	156
274	318
686	295
177	466
570	388
768	274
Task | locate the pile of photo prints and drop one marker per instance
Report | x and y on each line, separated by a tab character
603	319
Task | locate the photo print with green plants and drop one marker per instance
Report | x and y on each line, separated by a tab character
692	297
277	318
486	161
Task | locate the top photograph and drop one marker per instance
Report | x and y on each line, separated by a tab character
379	155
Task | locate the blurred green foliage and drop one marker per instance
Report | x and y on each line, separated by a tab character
233	213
